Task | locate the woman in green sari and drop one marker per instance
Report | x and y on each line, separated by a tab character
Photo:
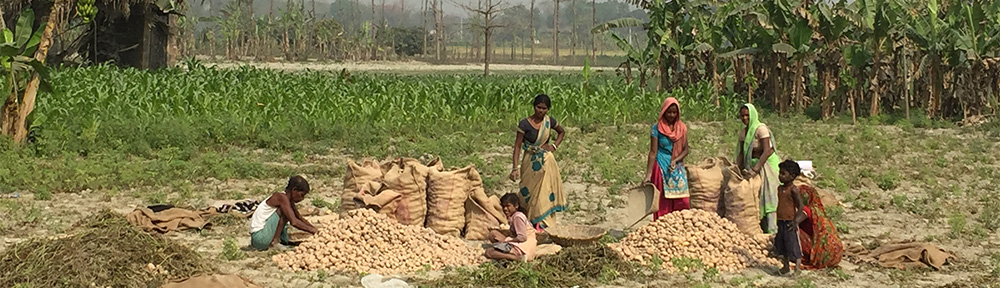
755	145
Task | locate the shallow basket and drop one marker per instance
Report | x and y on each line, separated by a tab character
575	235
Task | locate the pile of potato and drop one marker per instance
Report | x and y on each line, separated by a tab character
700	235
365	241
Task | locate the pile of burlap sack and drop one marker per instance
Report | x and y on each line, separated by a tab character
412	193
717	185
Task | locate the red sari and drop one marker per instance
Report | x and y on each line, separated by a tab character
821	248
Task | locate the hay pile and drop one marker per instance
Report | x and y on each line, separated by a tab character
577	266
103	250
696	234
366	241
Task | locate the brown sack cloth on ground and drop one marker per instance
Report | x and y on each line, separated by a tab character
743	202
357	176
170	220
446	195
478	221
408	177
706	183
829	200
909	255
497	210
214	281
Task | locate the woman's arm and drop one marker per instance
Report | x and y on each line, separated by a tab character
518	141
768	150
561	135
651	159
684	153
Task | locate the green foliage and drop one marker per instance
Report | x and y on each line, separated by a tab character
321	203
888	180
957	224
231	251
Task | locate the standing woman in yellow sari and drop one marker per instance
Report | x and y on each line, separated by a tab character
541	185
757	144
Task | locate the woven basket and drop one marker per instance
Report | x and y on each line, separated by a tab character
575	235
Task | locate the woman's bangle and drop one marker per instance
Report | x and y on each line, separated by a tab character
555	146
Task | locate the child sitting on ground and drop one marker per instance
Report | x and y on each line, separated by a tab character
521	246
790	214
267	225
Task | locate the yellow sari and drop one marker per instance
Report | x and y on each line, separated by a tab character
541	185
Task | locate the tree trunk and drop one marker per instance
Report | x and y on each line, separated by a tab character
825	81
665	63
850	100
799	86
750	86
425	27
593	23
531	22
19	113
572	26
486	39
439	29
876	88
555	34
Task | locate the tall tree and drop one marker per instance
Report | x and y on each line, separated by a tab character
488	12
531	22
555	33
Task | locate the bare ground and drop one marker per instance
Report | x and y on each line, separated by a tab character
596	199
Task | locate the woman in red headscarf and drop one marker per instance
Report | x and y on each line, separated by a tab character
665	165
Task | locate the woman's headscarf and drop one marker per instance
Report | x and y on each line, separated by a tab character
676	132
748	140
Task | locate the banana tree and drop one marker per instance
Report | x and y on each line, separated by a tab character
832	26
933	37
23	55
978	41
791	29
642	58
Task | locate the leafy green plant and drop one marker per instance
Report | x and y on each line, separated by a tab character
231	251
957	225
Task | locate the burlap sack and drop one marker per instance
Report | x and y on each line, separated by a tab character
377	197
496	210
408	177
829	200
356	177
478	221
743	202
706	182
446	195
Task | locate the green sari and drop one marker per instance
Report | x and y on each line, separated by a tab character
768	174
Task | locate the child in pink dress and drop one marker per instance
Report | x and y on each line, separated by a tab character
522	244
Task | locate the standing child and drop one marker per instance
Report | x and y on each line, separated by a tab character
521	245
267	225
790	214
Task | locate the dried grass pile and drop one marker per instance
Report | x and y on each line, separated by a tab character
103	250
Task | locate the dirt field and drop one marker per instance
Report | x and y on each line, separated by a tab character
895	184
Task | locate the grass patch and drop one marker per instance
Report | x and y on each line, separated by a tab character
104	249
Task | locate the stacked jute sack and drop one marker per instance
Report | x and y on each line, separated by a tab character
412	193
717	185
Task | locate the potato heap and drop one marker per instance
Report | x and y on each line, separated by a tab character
365	241
696	234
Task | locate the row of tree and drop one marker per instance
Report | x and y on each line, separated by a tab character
368	30
863	56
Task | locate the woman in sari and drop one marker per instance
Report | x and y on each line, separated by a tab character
665	165
541	185
757	144
821	247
